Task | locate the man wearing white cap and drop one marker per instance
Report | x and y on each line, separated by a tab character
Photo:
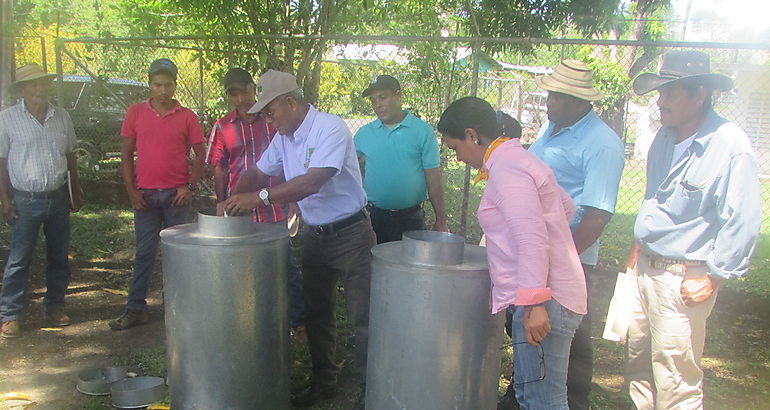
315	152
37	141
697	226
586	157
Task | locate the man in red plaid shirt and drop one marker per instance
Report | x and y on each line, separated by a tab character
237	142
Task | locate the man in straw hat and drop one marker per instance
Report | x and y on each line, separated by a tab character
586	157
697	226
315	152
37	142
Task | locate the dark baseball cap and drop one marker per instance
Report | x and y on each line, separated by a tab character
163	65
382	82
237	78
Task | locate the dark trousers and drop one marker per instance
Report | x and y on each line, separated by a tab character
327	257
52	213
581	358
148	223
390	225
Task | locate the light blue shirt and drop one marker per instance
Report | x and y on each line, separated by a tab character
706	207
587	159
396	160
321	141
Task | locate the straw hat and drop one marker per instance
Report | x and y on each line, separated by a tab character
28	73
571	77
680	65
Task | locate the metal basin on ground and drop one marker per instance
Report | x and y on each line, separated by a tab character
137	392
96	382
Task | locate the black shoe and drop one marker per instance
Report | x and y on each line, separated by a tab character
312	394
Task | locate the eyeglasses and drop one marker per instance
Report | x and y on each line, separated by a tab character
542	364
269	112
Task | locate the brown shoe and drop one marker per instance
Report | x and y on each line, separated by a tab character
129	319
56	317
11	329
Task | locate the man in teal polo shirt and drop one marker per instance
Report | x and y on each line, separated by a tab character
400	162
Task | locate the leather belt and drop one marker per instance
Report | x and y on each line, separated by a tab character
40	195
338	225
394	212
678	266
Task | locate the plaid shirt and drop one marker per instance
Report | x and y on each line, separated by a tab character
237	145
36	153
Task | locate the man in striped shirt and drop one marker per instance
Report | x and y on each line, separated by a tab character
237	142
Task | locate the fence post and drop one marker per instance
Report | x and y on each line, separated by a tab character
58	47
467	180
202	95
43	56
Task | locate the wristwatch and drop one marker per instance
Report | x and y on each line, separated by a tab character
264	196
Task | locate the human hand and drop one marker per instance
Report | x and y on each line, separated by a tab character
633	257
136	197
182	197
221	208
9	210
241	204
536	324
696	290
440	225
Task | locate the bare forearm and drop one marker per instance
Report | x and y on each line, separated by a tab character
5	182
127	171
295	189
435	191
590	228
220	182
197	165
72	167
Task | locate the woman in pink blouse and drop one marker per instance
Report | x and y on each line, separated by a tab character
534	267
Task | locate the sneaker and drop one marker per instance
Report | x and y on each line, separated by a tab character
129	319
56	317
11	329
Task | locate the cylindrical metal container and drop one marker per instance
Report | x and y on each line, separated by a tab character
433	343
227	329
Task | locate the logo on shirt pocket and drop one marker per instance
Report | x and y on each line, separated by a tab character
307	157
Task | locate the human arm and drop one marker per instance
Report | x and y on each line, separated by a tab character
436	198
590	227
9	210
362	166
183	193
633	255
74	181
293	190
127	171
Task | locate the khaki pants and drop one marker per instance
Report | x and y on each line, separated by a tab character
665	340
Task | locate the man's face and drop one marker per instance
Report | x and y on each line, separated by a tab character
35	92
386	105
242	98
162	87
559	107
677	106
280	113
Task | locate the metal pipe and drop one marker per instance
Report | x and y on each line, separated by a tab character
433	344
226	302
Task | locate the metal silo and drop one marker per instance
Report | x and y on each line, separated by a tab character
433	343
227	330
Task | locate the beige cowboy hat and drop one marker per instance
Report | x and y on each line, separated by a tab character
26	73
571	77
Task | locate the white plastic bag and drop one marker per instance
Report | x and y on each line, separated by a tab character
619	312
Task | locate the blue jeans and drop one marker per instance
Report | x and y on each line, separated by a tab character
541	371
53	214
148	223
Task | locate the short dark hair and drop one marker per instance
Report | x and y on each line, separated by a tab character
509	127
468	112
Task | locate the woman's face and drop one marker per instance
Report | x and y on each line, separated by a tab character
467	150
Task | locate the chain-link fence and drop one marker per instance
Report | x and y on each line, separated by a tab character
100	77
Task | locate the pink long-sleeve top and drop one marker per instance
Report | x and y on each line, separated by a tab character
525	216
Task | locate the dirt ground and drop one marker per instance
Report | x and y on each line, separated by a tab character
45	362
